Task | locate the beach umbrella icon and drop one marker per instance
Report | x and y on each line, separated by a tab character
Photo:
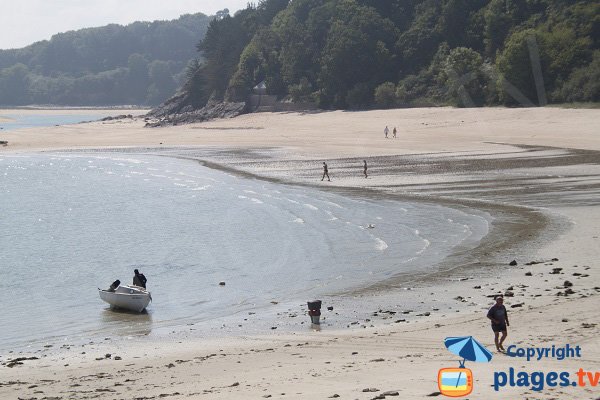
468	348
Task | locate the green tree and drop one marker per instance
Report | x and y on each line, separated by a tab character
516	70
385	95
498	22
583	83
137	77
463	77
420	42
531	57
14	84
360	96
301	91
358	49
162	83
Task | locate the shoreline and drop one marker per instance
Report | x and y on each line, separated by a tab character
462	260
540	182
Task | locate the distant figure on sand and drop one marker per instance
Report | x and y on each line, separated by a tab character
386	131
394	133
499	317
325	172
365	168
139	279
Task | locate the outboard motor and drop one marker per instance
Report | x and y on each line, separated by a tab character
314	311
114	285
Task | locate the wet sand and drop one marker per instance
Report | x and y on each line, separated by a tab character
536	171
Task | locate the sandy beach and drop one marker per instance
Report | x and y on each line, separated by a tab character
536	172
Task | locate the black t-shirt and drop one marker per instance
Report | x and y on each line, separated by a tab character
497	312
139	280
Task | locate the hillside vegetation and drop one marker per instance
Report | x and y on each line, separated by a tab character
142	63
355	54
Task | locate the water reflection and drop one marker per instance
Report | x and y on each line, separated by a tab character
127	323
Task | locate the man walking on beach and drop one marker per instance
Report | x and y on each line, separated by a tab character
499	317
325	172
365	168
394	133
386	131
139	279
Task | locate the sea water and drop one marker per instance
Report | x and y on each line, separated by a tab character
25	120
71	223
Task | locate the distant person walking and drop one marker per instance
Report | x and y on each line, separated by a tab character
139	279
365	168
499	317
394	133
386	131
325	171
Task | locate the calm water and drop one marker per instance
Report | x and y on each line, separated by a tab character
71	223
21	121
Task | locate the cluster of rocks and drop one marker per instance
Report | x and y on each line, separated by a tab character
18	361
117	117
174	112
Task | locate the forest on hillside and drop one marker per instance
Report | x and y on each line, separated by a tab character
142	63
360	54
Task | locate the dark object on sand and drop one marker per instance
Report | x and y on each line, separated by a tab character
330	308
221	283
314	311
512	263
314	305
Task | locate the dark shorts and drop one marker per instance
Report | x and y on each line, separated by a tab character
499	327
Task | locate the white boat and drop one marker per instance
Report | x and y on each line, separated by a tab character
127	297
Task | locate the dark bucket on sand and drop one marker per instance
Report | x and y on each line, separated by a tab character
314	311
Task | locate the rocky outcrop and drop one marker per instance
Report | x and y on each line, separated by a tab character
176	111
118	117
171	106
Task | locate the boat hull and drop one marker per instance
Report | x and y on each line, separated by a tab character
132	298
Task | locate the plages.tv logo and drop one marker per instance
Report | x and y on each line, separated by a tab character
458	382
